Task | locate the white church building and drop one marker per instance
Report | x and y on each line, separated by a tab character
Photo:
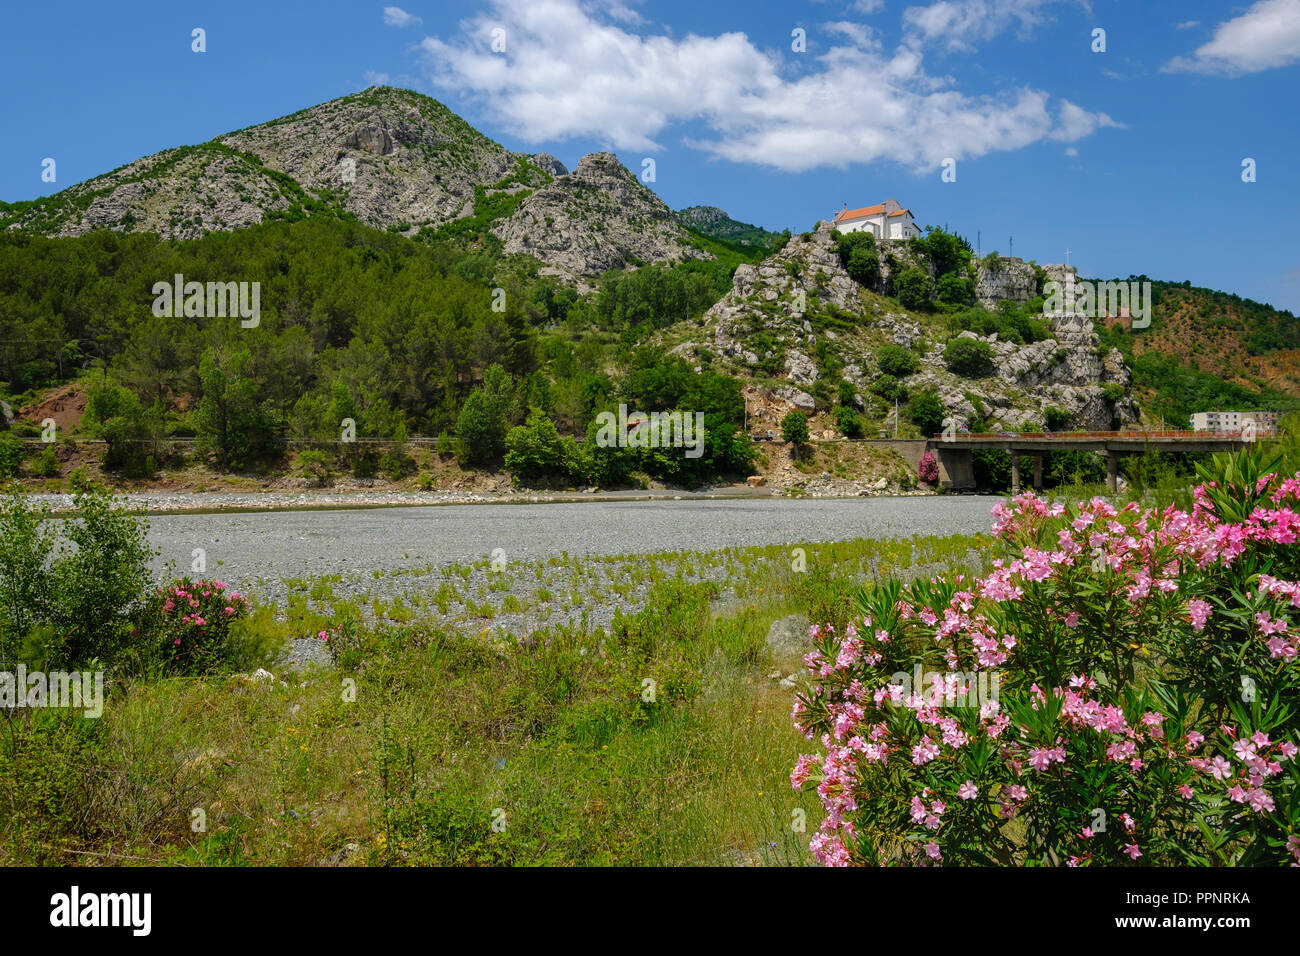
889	220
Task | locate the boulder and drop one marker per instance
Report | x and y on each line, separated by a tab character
788	636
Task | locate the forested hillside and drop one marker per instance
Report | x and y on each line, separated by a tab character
395	333
1210	350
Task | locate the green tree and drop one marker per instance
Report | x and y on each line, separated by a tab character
912	288
794	430
955	289
115	415
11	455
858	255
926	412
947	252
535	451
485	418
232	424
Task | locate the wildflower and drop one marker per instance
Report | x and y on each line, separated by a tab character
968	791
1133	851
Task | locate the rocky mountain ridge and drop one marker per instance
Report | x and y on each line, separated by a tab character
391	159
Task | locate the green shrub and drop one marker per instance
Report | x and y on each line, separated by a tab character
79	600
98	582
24	585
849	422
969	357
912	288
897	361
1056	418
889	388
1112	391
314	465
190	624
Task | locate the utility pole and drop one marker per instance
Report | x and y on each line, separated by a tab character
1067	256
895	417
979	252
1011	245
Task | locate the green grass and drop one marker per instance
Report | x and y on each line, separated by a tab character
660	740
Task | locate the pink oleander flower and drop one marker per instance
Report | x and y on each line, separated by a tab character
1132	851
968	791
802	768
924	752
1199	611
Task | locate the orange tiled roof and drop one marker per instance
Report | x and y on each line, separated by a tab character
900	213
844	214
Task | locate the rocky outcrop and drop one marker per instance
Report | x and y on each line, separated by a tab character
548	164
1004	277
774	320
597	218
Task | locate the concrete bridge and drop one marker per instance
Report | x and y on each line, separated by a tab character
953	453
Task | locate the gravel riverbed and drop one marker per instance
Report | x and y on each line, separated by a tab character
555	563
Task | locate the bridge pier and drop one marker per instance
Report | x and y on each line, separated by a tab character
1038	472
956	467
1112	472
1015	473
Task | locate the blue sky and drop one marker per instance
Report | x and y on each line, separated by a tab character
1131	158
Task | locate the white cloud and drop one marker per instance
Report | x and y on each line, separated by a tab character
861	35
567	74
377	79
397	17
1187	24
1071	151
958	24
623	12
868	6
1265	36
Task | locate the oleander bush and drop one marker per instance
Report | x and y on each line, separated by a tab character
1121	688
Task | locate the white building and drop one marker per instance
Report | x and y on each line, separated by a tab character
889	220
1234	421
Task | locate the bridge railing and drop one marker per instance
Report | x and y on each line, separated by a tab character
1085	436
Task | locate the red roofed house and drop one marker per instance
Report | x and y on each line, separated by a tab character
889	220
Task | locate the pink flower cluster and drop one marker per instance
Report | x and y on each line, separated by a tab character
197	612
1095	573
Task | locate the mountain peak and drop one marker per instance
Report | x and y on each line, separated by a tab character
391	159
